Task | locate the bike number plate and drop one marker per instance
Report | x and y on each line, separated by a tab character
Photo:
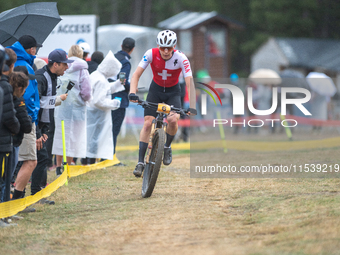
164	108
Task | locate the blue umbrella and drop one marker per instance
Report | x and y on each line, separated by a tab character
35	19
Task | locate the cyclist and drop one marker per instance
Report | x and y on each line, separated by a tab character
166	63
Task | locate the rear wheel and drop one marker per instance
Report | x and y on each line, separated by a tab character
152	168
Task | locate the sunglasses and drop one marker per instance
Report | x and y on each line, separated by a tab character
166	48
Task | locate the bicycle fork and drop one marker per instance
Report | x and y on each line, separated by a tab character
153	129
152	133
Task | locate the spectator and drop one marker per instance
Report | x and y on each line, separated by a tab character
19	81
118	115
86	49
73	110
99	123
1	101
26	48
38	64
9	124
47	83
96	58
13	157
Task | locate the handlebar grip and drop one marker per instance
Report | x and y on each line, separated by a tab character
192	111
133	97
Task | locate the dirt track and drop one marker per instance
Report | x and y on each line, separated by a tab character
102	212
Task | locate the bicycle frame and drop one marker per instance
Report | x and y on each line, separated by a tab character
163	111
157	123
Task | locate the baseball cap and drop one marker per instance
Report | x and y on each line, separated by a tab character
28	41
24	70
85	46
59	56
129	43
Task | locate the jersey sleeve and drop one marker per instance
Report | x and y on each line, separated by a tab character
147	59
185	65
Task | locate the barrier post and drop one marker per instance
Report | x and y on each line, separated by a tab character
222	134
65	166
287	129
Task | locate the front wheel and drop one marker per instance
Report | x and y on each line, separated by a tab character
152	168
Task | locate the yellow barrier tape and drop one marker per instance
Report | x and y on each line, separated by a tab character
78	170
12	207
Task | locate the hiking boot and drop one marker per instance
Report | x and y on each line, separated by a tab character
138	170
58	171
167	158
28	210
45	201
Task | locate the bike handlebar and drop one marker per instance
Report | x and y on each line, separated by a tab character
146	104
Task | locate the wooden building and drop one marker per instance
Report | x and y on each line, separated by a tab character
205	39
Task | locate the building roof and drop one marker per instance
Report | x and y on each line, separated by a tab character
187	20
311	52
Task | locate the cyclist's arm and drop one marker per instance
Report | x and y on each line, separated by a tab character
135	78
143	64
189	81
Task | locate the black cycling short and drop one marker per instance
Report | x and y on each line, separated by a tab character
158	94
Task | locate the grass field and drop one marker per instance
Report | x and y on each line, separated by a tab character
102	212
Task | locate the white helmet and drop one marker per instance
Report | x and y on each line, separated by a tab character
166	38
85	46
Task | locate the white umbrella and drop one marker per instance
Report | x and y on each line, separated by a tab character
321	84
265	77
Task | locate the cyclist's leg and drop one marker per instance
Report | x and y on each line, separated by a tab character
149	115
174	98
144	136
172	128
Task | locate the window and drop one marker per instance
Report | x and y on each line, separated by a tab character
216	39
185	42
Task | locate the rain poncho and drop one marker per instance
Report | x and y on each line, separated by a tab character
99	122
73	110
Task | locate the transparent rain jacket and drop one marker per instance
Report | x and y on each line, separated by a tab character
99	121
73	110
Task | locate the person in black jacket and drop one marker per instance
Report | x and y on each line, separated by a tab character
19	82
9	124
96	58
1	100
118	115
47	84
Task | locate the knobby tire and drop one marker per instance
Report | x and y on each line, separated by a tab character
155	161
